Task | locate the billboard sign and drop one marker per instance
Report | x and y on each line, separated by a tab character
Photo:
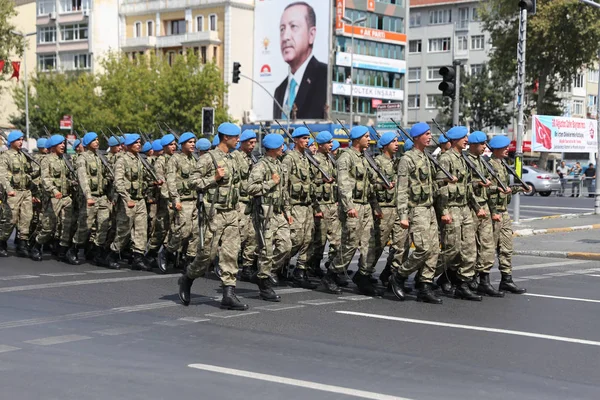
373	63
66	123
388	111
564	135
368	91
291	57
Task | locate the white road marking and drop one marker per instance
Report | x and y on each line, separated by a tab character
16	277
106	271
194	319
550	264
562	297
559	274
296	382
121	331
232	314
474	328
57	274
535	277
320	302
356	298
4	348
559	208
181	321
279	307
49	341
581	271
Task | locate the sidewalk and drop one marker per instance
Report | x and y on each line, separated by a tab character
548	225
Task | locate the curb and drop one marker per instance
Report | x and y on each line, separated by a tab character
532	232
557	216
559	254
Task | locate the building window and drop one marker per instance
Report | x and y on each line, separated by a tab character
369	48
476	69
414	74
171	57
578	81
47	34
178	27
439	45
578	107
74	32
415	19
73	5
45	7
414	101
475	14
137	29
200	23
433	74
592	75
433	100
46	62
462	43
212	20
477	42
81	61
203	54
414	46
215	60
438	17
149	28
592	100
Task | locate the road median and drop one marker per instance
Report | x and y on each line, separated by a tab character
565	229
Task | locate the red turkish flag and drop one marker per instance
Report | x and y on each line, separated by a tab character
16	68
1	66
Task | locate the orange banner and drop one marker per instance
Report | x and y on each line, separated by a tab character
339	13
371	5
368	33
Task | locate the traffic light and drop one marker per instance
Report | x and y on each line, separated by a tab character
236	72
208	120
448	85
528	5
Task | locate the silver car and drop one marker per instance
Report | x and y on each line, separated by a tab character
542	182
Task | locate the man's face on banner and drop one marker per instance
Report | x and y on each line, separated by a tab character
296	37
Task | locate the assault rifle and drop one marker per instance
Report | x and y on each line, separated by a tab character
25	153
329	155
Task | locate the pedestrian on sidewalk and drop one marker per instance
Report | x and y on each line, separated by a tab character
577	170
562	172
590	180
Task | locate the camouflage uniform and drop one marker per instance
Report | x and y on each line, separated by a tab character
37	192
222	236
247	233
161	223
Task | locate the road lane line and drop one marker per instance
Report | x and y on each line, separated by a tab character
52	340
4	348
16	277
296	382
232	314
320	302
474	328
558	208
279	307
547	296
121	331
59	274
550	264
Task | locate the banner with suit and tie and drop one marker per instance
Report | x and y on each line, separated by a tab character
291	58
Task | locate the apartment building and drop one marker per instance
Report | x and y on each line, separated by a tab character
592	83
219	31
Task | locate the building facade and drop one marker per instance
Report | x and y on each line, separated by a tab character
215	30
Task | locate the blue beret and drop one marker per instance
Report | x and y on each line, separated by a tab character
336	145
229	129
311	141
216	141
419	128
408	145
292	145
324	137
41	143
113	141
121	139
185	137
203	144
76	143
89	138
247	135
300	132
13	136
54	141
146	147
285	148
477	137
273	141
386	139
358	131
238	145
131	138
457	132
499	142
442	139
157	145
167	139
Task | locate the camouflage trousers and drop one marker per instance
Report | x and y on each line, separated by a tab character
184	229
278	244
160	225
94	218
356	233
484	236
222	238
327	229
57	221
301	231
131	225
247	236
503	240
423	230
381	233
17	212
459	251
399	247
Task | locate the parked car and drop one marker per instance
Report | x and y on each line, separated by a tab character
542	182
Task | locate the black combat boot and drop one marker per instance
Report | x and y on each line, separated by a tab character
62	253
230	301
72	255
138	262
462	291
266	291
385	275
474	283
444	281
165	259
245	274
426	295
101	256
89	251
3	248
112	261
340	279
507	285
36	251
485	287
151	258
396	283
22	249
365	286
330	284
300	278
185	287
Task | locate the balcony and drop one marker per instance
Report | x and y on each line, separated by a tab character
161	42
139	43
462	26
132	7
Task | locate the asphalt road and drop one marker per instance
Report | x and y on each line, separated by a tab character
89	333
538	206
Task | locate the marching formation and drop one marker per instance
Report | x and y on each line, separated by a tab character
186	204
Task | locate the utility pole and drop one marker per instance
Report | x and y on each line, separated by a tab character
24	36
456	103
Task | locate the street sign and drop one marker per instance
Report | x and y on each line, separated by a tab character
385	113
66	123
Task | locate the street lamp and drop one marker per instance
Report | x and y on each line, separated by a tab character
352	23
24	35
